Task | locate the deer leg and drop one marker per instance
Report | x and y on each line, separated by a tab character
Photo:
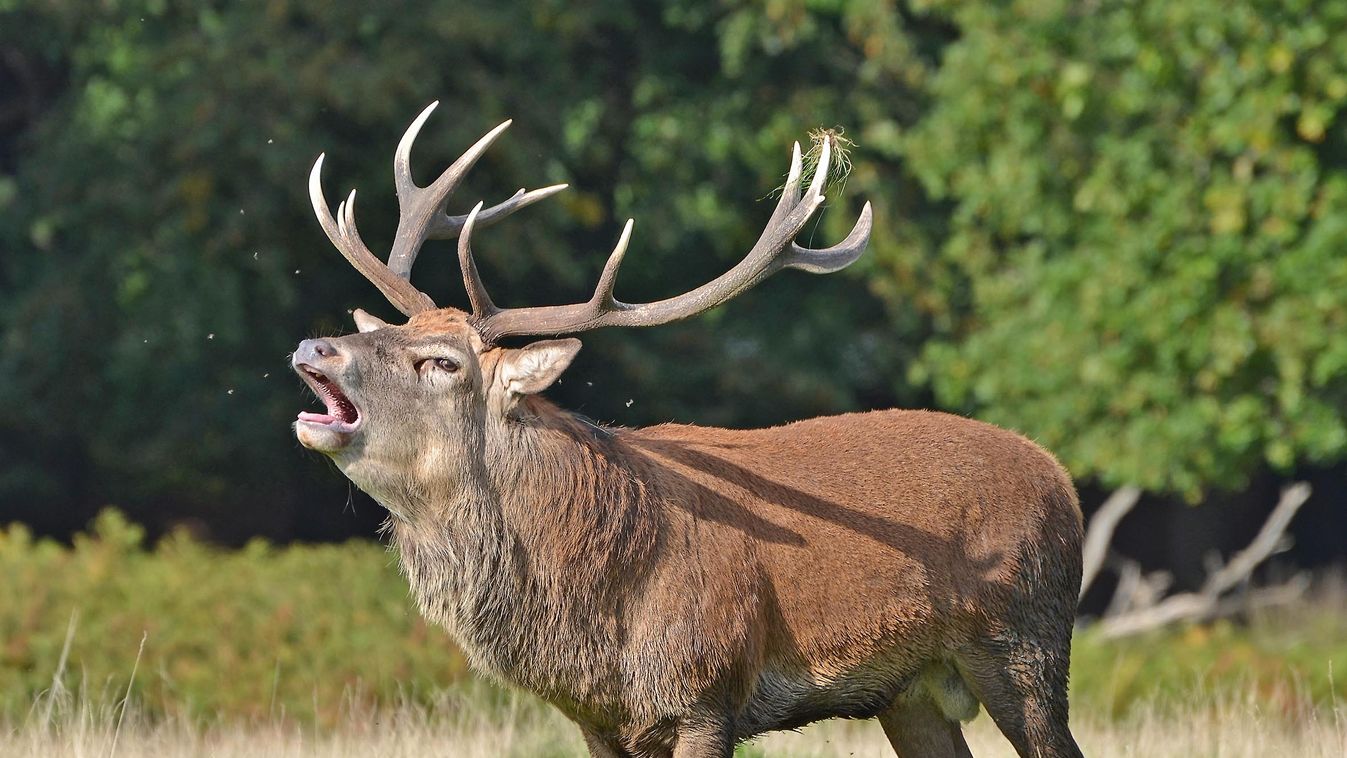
1022	684
704	736
600	747
916	729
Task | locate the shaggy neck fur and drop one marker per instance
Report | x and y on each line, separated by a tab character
558	512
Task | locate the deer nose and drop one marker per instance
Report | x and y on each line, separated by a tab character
315	351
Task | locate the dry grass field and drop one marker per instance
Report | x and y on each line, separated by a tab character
520	726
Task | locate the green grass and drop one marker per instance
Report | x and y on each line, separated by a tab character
310	635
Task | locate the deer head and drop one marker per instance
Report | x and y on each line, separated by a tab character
438	393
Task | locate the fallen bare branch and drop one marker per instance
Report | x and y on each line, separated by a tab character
1136	589
1263	545
1100	533
1132	613
1266	597
1193	606
1181	607
1130	583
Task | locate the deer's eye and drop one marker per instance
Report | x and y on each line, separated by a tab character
448	365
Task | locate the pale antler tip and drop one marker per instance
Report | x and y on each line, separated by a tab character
821	171
619	251
793	175
316	172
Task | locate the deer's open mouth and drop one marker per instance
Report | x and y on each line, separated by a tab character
342	415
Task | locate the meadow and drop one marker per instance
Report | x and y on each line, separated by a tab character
113	646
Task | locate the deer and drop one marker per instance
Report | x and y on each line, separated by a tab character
676	590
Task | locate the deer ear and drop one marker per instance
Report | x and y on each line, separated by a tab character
532	369
364	322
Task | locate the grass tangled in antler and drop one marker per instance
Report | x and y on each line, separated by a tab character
839	167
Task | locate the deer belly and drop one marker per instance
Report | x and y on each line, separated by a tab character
784	700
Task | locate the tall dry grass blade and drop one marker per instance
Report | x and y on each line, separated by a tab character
58	690
275	683
112	751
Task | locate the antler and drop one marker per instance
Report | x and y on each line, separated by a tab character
421	216
774	250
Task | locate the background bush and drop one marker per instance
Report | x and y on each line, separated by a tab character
260	632
1148	212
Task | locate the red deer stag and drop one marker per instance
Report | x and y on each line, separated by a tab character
678	589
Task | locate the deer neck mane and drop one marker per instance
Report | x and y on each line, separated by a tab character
558	512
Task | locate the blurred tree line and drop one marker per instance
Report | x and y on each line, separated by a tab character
1115	226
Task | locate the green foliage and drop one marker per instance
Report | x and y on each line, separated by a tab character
259	632
1148	207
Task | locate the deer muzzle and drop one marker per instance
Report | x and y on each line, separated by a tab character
318	362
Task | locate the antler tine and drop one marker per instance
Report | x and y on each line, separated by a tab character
821	171
445	226
790	192
774	250
402	157
837	257
482	307
603	291
344	236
